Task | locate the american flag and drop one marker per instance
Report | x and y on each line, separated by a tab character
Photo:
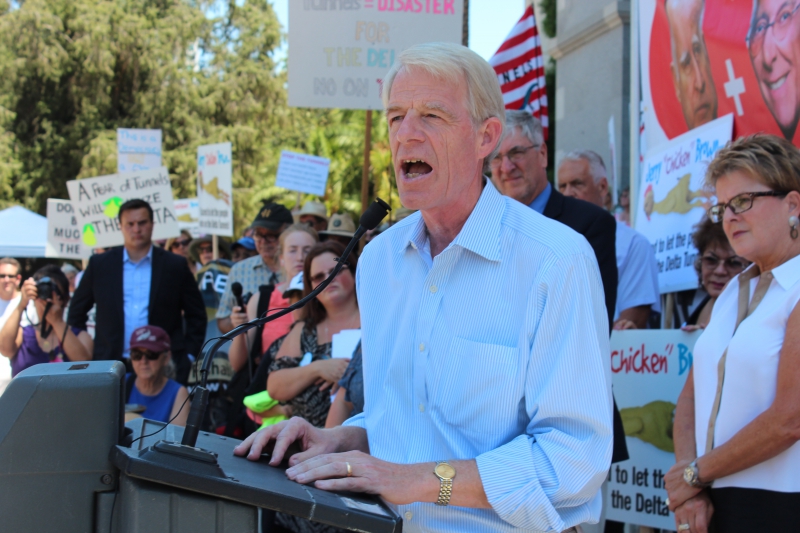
520	69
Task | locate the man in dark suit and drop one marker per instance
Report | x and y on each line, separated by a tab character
520	171
136	285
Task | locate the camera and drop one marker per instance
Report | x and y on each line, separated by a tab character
45	288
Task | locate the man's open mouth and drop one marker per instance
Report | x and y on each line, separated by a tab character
777	84
414	168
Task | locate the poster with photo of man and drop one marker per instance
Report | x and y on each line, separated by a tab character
703	59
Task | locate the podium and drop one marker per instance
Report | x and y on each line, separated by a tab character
68	463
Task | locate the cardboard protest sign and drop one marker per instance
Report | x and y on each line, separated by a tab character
303	172
138	149
672	199
187	211
339	56
97	202
63	232
215	189
649	369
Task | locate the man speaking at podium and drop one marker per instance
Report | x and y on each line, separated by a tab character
484	334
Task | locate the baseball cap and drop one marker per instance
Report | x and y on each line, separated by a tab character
245	242
273	216
151	338
295	285
341	225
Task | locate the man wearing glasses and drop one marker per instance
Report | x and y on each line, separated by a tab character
258	270
9	292
774	46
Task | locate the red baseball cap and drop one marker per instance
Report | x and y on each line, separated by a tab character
151	338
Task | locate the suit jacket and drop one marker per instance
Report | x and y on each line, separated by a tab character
600	229
173	290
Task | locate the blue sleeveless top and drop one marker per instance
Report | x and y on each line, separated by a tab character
159	406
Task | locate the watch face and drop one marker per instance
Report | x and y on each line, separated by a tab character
688	474
445	470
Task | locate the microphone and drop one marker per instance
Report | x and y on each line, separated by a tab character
236	289
370	219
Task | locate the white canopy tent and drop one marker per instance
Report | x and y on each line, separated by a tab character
23	233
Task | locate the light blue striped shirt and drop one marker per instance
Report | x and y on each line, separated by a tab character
496	350
136	279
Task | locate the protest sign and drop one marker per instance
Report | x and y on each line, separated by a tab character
138	149
727	71
63	232
339	54
215	189
97	202
187	212
303	172
649	369
672	199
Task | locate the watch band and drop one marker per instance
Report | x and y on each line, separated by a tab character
445	491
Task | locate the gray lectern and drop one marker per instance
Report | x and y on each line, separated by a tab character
68	463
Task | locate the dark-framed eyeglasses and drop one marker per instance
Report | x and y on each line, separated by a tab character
8	276
265	236
733	263
205	249
515	155
739	204
182	243
320	277
138	353
780	27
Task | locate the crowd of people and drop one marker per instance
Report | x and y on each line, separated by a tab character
491	268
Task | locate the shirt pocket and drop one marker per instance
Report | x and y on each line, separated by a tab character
479	388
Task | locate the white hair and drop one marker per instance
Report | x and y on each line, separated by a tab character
454	64
526	123
596	166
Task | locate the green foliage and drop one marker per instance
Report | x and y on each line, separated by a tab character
549	10
73	71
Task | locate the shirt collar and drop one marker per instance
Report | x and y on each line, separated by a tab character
127	258
788	273
481	231
540	202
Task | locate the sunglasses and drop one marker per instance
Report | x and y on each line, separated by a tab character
183	244
138	353
319	278
205	249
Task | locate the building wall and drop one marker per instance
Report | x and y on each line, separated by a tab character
592	50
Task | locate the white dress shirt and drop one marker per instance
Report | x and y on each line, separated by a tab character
496	350
638	271
751	374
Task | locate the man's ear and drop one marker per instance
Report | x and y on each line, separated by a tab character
489	136
602	185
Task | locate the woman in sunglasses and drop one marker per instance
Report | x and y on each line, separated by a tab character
29	338
162	397
303	374
716	264
737	423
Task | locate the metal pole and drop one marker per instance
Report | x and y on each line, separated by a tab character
365	172
465	25
215	247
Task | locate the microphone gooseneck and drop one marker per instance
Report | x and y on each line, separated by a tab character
376	212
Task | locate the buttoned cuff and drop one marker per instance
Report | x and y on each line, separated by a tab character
356	422
512	484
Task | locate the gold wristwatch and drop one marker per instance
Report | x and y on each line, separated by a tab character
445	472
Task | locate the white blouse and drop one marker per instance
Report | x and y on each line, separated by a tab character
751	374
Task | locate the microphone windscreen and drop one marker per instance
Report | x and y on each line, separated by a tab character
236	289
376	212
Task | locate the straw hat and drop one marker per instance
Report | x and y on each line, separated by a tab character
312	208
340	224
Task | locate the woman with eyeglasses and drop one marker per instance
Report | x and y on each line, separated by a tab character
716	264
150	385
737	423
29	338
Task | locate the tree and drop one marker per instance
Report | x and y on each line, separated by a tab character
73	71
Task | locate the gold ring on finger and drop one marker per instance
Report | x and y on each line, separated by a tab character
349	469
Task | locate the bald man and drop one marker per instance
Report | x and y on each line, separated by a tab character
691	68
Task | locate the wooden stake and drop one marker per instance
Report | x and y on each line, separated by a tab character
215	247
365	172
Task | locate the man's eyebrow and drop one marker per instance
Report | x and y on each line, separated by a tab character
441	108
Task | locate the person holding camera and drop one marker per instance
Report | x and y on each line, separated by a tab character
46	339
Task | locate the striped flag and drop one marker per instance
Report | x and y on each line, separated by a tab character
520	69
